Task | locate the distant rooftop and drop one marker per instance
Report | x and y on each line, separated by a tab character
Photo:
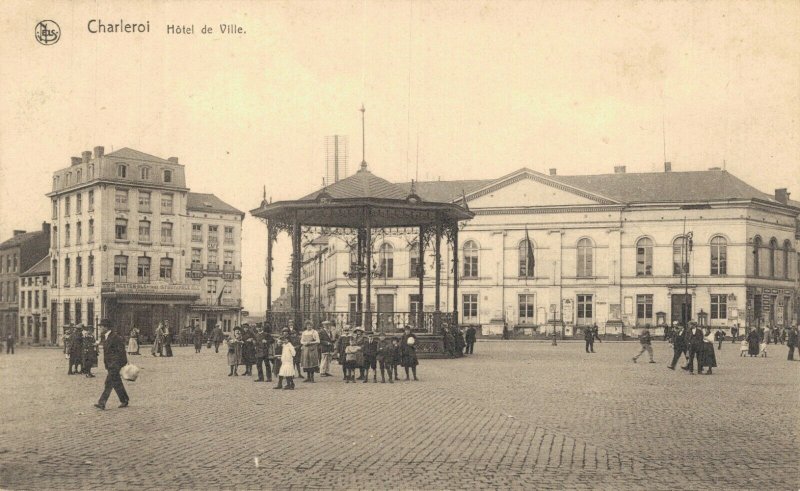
131	154
40	268
20	239
209	203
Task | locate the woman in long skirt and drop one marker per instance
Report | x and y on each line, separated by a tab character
248	349
709	357
408	352
309	358
157	342
752	343
133	342
235	352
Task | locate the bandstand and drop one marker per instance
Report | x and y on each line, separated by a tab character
357	207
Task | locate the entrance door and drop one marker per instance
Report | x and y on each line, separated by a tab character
211	322
385	311
681	310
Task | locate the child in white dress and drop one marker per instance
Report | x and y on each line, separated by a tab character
287	362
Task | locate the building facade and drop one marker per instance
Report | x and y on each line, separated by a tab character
34	308
17	255
620	250
119	247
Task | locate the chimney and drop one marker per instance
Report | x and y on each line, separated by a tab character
99	152
552	171
75	160
18	232
87	156
283	291
782	196
667	166
619	169
174	160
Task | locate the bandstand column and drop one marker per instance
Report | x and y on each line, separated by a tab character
359	268
421	274
437	254
270	239
368	270
296	261
455	274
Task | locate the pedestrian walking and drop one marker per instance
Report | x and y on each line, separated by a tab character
88	352
709	358
263	340
325	348
679	345
234	356
198	338
696	346
588	337
287	370
216	337
10	344
469	338
734	333
75	351
133	342
719	337
646	342
309	357
408	352
158	342
114	358
753	341
166	336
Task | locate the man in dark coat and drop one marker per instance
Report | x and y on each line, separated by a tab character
448	341
458	340
342	342
75	350
792	340
678	346
217	337
197	338
588	336
88	352
695	348
470	340
10	344
262	341
325	348
114	358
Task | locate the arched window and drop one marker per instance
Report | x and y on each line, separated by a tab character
719	256
585	258
413	260
644	257
773	247
787	248
91	172
122	171
757	256
470	259
527	259
167	176
386	255
680	256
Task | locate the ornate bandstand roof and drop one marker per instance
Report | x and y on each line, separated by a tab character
348	202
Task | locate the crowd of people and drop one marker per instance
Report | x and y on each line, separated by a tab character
80	348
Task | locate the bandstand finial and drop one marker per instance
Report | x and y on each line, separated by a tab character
363	139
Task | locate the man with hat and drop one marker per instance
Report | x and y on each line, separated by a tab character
114	358
263	341
325	348
88	351
342	342
361	341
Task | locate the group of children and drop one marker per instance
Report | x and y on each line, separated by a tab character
377	353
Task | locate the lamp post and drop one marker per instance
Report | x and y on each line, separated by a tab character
686	248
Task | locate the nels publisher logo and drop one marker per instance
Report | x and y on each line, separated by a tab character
47	32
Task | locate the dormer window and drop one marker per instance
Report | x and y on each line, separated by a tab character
69	178
78	176
91	172
122	171
145	173
167	176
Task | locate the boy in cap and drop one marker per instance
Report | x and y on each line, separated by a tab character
341	344
370	348
384	356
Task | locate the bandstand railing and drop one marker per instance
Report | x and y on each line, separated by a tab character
388	322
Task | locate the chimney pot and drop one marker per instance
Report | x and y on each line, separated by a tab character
619	169
76	160
18	232
87	156
174	160
667	166
782	196
99	152
552	171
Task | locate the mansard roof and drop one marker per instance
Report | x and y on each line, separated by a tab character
208	202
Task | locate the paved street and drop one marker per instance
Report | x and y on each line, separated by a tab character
514	415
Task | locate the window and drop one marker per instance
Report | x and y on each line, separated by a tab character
90	272
78	316
66	206
144	231
121	269
55	182
229	235
66	272
78	203
470	260
644	257
787	248
211	287
166	203
78	176
527	259
227	261
773	246
413	260
644	308
122	171
44	297
757	256
121	199
145	173
719	256
78	233
2	292
584	309
36	300
212	260
719	306
90	174
212	235
585	256
55	209
121	229
197	258
54	272
680	256
30	298
78	271
143	269
165	269
15	263
166	233
167	176
91	230
527	308
67	234
90	312
69	178
66	312
386	257
197	232
469	309
91	201
144	201
22	300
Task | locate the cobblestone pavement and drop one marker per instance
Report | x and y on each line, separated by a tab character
514	415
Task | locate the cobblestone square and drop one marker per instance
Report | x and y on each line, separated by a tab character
514	415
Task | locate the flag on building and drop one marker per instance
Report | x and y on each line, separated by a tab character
531	262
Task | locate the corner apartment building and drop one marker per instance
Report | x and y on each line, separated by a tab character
17	255
34	308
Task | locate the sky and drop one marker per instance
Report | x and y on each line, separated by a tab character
452	90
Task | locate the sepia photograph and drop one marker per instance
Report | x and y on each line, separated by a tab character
528	244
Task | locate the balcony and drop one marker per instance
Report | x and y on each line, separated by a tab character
213	245
213	267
